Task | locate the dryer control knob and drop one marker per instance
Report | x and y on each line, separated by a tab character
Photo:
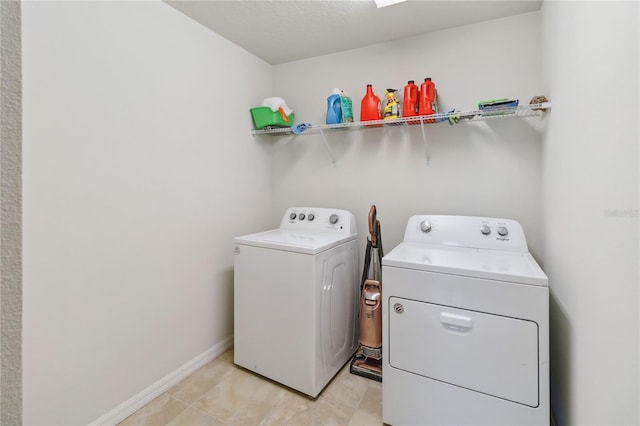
333	219
485	230
301	216
502	231
310	217
292	216
425	226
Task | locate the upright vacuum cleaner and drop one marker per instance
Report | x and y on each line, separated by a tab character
367	361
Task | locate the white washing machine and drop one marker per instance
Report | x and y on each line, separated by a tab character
465	325
296	294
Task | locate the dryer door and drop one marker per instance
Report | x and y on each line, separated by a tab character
491	354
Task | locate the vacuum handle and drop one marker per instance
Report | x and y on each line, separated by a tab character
372	226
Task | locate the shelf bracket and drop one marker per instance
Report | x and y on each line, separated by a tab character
333	159
424	142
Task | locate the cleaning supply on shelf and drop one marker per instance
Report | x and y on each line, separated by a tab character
334	107
298	129
278	105
538	100
427	104
410	100
497	103
370	106
273	112
453	116
391	109
347	109
449	116
498	106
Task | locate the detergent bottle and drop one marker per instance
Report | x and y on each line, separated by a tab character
334	108
370	106
347	110
392	105
410	100
427	103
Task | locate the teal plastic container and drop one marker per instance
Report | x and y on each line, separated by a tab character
347	109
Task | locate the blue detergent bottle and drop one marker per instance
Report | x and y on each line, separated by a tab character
334	108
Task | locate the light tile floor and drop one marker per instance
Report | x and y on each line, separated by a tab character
221	393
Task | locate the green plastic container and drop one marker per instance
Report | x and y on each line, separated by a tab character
264	117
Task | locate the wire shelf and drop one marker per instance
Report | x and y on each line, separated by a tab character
532	110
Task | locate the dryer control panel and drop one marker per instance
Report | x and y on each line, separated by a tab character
467	231
322	219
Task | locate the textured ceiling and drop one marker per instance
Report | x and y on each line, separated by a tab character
285	31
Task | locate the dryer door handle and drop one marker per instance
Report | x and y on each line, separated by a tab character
456	322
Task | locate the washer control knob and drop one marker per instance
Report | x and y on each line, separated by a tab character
485	229
425	226
502	231
301	216
292	216
310	217
333	219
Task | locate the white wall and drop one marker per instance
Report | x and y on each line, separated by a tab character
485	169
134	151
138	171
590	205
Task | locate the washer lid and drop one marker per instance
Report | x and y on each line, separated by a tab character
511	266
307	242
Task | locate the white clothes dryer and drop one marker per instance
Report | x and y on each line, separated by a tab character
465	325
296	295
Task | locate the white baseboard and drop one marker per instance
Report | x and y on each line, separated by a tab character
139	400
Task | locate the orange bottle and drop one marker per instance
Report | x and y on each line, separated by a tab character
370	106
427	97
410	100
